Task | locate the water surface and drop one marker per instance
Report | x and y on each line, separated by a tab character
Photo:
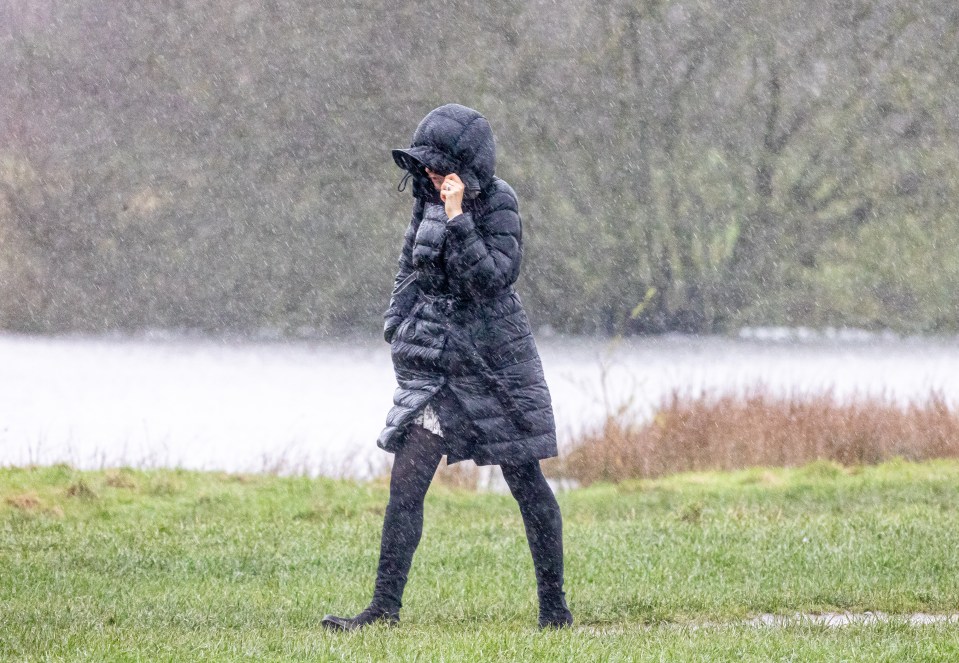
320	406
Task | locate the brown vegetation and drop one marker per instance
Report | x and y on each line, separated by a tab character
81	490
25	502
724	432
466	475
119	480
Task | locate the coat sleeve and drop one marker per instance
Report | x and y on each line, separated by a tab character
485	253
404	285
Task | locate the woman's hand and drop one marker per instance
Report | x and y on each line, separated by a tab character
451	193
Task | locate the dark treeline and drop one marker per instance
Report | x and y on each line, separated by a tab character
694	166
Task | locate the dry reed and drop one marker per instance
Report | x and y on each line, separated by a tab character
25	502
725	432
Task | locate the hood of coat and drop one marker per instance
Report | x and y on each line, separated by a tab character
451	139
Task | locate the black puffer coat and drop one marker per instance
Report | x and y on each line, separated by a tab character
454	319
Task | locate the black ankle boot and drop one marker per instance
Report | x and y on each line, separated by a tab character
553	611
369	616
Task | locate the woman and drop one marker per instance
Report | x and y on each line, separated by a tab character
471	384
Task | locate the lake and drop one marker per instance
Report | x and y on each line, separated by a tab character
319	406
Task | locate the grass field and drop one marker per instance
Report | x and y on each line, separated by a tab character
178	566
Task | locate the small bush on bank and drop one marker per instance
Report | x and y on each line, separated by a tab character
733	431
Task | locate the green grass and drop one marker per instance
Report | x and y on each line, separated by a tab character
175	565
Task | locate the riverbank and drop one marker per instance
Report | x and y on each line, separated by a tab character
172	565
317	407
731	431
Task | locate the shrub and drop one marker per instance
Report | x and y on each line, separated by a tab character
733	431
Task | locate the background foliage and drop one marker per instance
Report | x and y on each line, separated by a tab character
681	165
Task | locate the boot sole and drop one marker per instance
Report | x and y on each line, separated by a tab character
557	624
334	623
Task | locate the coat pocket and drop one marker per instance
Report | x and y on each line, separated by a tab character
421	337
400	331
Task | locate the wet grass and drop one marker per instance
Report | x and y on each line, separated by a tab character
690	432
175	565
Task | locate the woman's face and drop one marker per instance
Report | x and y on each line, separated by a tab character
435	178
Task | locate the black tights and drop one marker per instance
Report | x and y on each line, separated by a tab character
413	468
